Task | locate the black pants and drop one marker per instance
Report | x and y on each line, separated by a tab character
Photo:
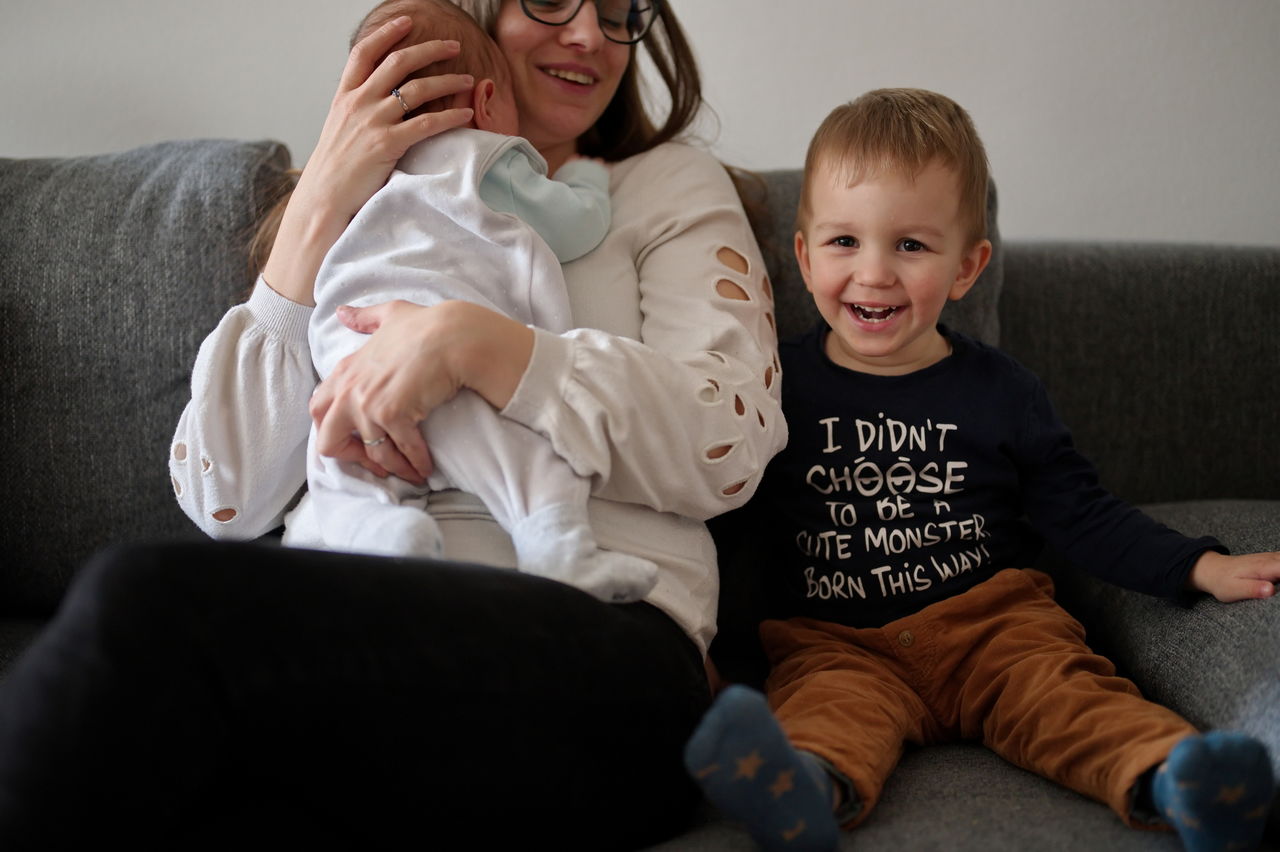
194	694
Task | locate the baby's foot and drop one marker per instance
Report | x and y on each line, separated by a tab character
556	542
386	530
1215	790
744	764
609	576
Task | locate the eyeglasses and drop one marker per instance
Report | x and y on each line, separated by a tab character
621	21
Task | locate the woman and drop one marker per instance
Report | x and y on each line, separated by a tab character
360	699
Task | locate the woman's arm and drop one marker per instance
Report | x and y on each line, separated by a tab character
364	135
238	456
416	358
684	421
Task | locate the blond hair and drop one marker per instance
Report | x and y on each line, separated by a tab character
902	131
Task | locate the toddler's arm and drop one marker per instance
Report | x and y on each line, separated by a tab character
1236	578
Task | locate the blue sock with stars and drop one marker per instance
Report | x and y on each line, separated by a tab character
744	764
1215	789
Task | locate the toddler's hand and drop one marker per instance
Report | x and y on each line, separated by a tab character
1236	578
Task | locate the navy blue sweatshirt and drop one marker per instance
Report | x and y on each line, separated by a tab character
895	492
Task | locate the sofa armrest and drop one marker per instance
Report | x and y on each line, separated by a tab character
113	268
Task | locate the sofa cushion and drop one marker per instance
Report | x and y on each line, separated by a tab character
961	798
778	194
1214	663
113	268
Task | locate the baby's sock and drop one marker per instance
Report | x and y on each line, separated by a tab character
746	767
556	542
1215	790
386	529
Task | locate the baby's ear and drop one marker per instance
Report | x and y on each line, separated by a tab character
482	104
971	265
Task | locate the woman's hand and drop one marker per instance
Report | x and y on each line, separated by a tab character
415	359
364	135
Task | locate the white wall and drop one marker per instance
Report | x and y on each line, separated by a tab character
89	76
1106	119
1110	119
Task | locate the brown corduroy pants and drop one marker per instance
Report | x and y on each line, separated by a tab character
1001	663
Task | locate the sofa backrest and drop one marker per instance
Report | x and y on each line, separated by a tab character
113	269
1162	358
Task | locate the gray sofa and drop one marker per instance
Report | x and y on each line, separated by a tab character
1163	358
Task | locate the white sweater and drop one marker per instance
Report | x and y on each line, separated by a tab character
663	373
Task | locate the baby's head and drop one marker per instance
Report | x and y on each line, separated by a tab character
493	96
901	131
891	225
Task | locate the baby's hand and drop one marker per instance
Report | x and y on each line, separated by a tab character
1236	578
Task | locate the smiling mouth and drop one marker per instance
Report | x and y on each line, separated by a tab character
870	314
571	76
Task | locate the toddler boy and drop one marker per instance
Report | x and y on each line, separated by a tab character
923	471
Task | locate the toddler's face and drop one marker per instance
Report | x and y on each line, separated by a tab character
881	258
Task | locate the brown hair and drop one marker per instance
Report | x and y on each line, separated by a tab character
479	57
625	128
902	131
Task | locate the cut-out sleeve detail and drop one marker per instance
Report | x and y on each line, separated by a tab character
638	416
718	452
248	413
732	259
729	290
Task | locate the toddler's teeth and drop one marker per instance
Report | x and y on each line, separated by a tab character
874	314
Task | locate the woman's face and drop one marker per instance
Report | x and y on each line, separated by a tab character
564	76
